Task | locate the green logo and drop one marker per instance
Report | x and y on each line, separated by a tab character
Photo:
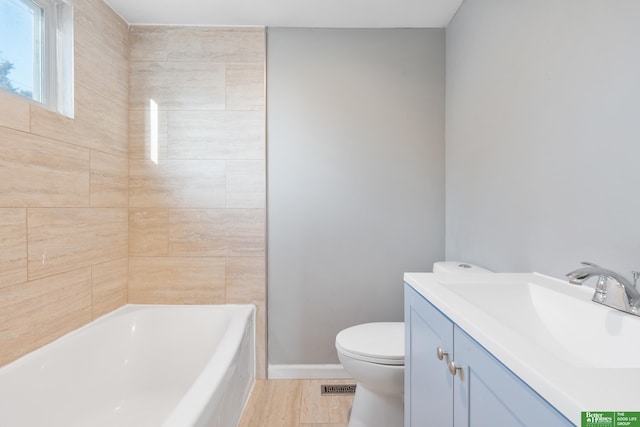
610	419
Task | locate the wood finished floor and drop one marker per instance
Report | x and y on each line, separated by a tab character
296	403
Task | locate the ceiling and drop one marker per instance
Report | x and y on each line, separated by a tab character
289	13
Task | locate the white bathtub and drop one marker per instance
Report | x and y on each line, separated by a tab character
141	365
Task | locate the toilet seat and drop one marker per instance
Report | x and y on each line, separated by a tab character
379	342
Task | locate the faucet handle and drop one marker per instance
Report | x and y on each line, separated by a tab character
636	276
590	264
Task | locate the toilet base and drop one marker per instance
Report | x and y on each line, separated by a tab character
374	409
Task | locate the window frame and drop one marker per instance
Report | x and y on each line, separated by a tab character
53	57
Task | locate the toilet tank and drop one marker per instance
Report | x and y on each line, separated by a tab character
450	267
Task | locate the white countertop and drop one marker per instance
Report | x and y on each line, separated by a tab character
549	333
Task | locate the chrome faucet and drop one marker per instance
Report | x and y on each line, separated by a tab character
624	296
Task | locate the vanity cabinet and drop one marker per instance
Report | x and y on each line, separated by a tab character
483	392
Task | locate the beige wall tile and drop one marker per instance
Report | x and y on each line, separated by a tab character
198	232
246	183
65	239
35	313
246	284
109	180
109	286
245	232
52	125
99	123
169	280
143	143
148	43
48	172
177	85
216	135
13	247
104	123
41	172
105	73
148	231
14	112
216	232
246	86
246	280
177	183
205	197
246	200
234	45
97	17
261	342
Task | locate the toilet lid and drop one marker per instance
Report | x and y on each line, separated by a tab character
381	342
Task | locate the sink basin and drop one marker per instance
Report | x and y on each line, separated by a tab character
562	319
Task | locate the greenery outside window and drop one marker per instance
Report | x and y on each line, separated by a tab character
36	52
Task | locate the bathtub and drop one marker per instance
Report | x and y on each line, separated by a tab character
140	365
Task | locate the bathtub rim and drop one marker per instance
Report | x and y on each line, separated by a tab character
123	309
195	399
191	406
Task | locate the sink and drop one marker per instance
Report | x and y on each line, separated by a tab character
561	319
577	354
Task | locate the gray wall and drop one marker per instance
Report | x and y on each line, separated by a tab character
543	134
355	179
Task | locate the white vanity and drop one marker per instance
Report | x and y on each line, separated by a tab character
514	349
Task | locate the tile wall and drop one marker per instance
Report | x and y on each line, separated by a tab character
92	215
64	195
197	168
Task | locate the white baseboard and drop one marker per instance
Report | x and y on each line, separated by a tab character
306	372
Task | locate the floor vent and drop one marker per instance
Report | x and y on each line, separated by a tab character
337	389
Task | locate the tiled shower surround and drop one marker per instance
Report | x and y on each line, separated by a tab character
197	168
153	193
64	195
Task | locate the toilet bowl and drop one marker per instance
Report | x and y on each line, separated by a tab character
373	354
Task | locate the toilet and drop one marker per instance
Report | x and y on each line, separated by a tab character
373	354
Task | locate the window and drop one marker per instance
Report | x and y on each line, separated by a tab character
36	52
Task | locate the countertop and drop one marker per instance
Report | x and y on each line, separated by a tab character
569	383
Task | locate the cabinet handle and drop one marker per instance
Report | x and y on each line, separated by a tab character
453	369
442	354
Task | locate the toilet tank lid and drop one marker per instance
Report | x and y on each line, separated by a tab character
457	267
379	340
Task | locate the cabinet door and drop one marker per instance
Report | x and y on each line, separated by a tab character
491	395
428	384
